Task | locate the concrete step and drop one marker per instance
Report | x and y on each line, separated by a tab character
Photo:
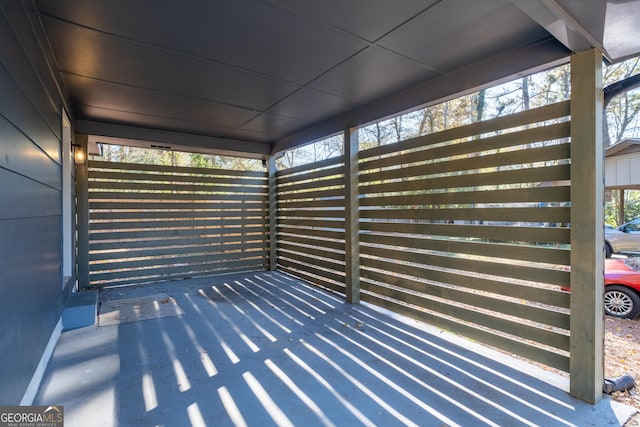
80	310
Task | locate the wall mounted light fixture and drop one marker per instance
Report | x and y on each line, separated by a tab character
79	155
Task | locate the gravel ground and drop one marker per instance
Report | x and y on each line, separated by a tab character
622	356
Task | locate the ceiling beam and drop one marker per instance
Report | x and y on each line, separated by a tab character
109	133
560	24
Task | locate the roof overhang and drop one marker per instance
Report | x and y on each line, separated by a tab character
626	146
255	77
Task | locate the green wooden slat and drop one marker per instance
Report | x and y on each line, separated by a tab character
533	313
513	176
555	235
168	262
180	269
311	213
327	163
314	175
154	251
541	254
510	158
547	214
552	297
137	225
326	234
178	214
498	269
203	271
317	281
311	186
514	139
98	164
333	275
175	233
316	251
520	195
310	204
135	245
169	187
511	345
172	205
145	177
495	322
311	241
316	262
539	315
334	193
553	111
160	196
224	270
317	223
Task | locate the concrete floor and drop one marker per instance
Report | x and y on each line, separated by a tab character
263	349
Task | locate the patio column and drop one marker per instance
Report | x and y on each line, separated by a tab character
352	217
82	213
273	222
587	235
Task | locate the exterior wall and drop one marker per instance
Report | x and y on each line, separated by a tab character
622	171
32	292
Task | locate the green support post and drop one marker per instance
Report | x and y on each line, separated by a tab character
273	222
587	234
82	210
352	226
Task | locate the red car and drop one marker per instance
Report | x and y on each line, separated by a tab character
622	287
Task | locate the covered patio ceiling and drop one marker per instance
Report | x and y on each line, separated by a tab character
256	77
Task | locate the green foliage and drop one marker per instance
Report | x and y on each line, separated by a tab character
611	209
149	156
201	161
631	206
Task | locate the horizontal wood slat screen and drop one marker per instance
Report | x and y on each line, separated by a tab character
150	223
467	229
311	222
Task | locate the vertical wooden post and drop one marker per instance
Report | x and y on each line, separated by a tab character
352	226
621	214
82	212
587	234
273	223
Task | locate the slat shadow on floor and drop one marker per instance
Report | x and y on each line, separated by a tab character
266	349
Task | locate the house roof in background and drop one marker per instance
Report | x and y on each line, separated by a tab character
626	146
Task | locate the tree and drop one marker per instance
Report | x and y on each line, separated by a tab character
622	113
123	154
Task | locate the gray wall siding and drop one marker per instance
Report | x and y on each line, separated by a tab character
31	294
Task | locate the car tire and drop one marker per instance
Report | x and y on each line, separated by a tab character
607	250
622	302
